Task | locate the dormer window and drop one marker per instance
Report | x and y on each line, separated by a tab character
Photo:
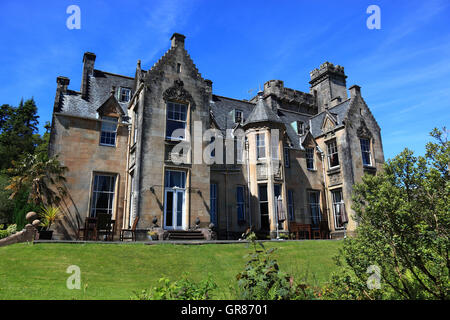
124	94
238	117
300	128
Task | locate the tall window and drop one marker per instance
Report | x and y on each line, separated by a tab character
176	119
264	207
291	205
103	194
365	150
333	157
240	203
260	146
108	131
314	207
286	158
124	94
213	202
310	165
340	216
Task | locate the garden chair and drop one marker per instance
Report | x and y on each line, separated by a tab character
88	229
104	225
131	231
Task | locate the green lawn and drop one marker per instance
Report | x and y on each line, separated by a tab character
114	271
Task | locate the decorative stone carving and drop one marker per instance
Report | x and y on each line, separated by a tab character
363	131
178	93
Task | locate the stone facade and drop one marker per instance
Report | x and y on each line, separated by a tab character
290	141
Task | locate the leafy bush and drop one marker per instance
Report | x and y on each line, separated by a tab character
262	279
183	289
404	215
9	231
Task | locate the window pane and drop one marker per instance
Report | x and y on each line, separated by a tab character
262	193
103	194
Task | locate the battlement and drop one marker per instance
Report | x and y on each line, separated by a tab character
326	68
276	88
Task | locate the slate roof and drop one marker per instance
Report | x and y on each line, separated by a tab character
339	113
222	112
262	113
100	84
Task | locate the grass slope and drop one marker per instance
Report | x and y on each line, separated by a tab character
114	271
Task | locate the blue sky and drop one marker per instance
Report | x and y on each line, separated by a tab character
403	68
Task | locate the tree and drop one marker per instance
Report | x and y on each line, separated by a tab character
6	205
402	240
44	178
18	132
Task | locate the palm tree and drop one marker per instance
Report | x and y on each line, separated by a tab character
43	176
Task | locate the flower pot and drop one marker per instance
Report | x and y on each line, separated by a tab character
45	234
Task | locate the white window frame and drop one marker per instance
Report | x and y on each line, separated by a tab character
337	206
260	146
106	125
330	152
174	118
127	92
367	143
308	152
111	194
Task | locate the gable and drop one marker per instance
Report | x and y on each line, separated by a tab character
110	108
328	123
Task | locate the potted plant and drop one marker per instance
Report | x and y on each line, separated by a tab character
152	235
48	215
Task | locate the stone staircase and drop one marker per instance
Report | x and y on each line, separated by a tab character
183	235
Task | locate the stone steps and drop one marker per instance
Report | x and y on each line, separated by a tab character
185	235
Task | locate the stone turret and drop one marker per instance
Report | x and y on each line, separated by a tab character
327	83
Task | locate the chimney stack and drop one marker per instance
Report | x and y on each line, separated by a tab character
61	88
88	70
177	40
355	90
62	84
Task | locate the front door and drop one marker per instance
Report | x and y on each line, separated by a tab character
174	200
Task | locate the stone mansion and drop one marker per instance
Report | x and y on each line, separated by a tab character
116	136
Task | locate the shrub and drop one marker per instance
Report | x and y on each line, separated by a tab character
9	231
183	289
262	279
404	215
